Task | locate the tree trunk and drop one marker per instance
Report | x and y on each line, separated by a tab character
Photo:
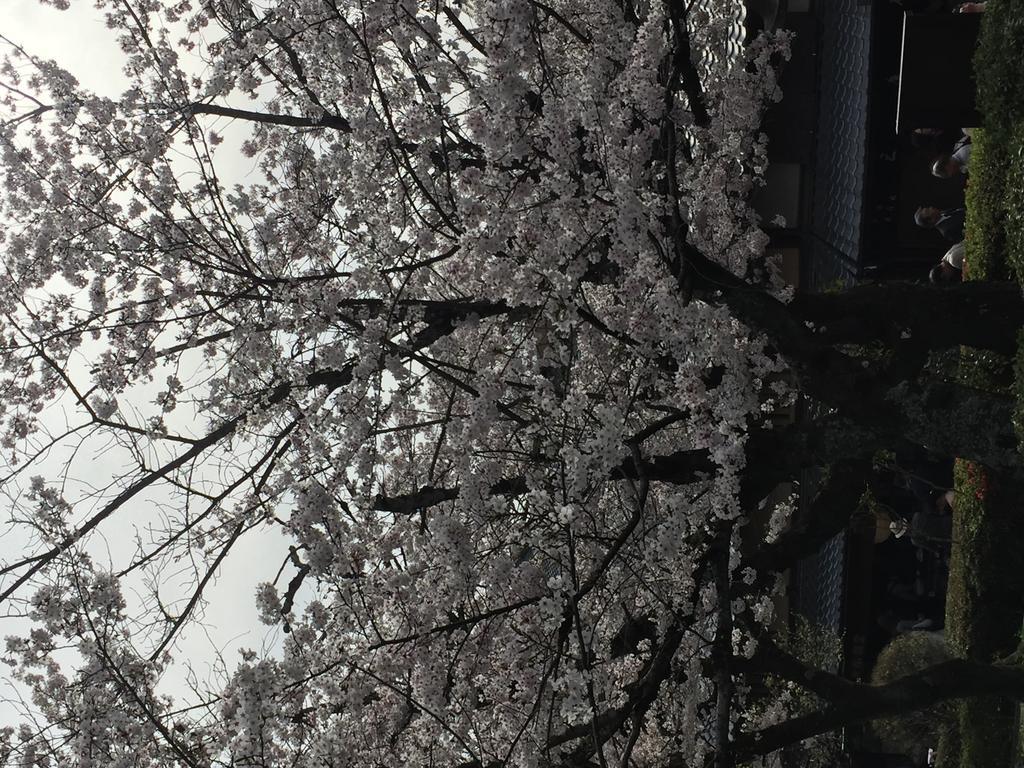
852	703
986	315
944	417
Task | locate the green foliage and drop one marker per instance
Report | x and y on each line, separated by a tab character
995	194
905	655
949	747
986	731
985	597
836	286
985	199
983	605
1014	199
884	457
979	737
1018	384
986	370
999	63
814	645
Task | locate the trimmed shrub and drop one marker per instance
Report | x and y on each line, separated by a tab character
905	655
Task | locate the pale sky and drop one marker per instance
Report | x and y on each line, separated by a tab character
77	38
80	42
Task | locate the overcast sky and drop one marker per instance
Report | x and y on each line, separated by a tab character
80	42
78	39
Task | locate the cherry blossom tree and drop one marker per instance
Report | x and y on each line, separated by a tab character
489	333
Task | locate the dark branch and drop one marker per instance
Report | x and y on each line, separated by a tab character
954	679
682	468
335	122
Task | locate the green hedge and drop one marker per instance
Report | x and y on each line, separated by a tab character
984	602
999	64
986	208
1013	196
984	606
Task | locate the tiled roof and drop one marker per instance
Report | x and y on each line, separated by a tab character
820	581
732	46
820	578
841	142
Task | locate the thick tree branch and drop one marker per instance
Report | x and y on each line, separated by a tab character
681	467
770	659
986	315
954	679
970	423
684	70
335	122
472	39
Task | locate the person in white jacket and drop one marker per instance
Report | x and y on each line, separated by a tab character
955	163
951	268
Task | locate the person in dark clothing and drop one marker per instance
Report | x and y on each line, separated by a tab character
949	223
932	532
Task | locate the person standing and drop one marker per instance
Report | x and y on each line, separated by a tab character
948	223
